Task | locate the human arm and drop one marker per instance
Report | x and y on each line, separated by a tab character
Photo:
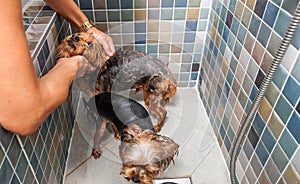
72	13
26	100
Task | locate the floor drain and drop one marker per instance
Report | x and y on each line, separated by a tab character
173	181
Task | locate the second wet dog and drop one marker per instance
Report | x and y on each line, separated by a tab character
143	152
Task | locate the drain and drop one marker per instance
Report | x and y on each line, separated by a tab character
173	181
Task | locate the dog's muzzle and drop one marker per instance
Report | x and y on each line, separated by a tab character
135	180
72	40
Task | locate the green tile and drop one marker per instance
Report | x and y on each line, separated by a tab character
166	14
272	94
179	14
127	15
140	4
246	17
113	16
194	3
279	158
204	13
288	143
22	167
282	23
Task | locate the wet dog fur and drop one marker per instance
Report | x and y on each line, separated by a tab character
127	69
143	152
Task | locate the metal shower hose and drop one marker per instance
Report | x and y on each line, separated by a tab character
243	131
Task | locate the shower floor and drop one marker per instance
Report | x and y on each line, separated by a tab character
199	159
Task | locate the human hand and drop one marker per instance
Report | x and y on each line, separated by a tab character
105	40
79	63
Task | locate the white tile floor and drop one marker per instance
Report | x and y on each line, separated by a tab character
187	124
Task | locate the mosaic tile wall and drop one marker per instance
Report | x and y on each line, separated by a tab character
41	157
243	36
171	30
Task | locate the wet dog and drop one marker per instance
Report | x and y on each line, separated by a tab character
143	152
127	69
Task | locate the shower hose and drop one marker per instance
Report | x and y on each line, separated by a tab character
246	124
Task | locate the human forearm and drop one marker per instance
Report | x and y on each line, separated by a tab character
69	10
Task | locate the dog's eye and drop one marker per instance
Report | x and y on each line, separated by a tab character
90	44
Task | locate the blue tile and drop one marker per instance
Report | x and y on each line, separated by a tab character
140	38
232	5
189	37
282	23
229	76
293	126
202	25
22	167
220	27
296	38
226	89
237	50
140	27
225	33
291	90
166	14
126	4
167	3
242	34
279	158
270	14
6	172
288	144
223	13
248	149
262	153
152	48
191	25
258	124
194	75
235	26
180	3
296	69
268	139
283	109
227	143
290	5
280	77
253	93
113	4
222	131
254	25
278	2
204	12
86	4
264	34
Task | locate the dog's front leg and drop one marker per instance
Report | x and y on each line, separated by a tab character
158	110
98	134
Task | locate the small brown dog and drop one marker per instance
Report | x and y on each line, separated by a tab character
86	45
127	69
143	152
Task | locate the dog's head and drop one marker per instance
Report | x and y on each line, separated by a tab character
144	154
82	44
162	86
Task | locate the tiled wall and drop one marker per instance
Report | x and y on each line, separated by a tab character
243	36
41	157
242	39
171	30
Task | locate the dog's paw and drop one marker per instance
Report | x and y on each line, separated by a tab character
96	153
117	136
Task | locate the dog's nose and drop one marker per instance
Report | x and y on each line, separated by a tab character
75	38
135	180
